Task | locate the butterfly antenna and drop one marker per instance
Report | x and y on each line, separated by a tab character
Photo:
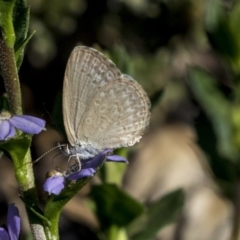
50	150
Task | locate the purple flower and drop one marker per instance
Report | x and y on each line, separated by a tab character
13	225
96	161
6	130
25	123
88	172
116	158
55	184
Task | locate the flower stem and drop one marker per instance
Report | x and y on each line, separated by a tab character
23	170
10	75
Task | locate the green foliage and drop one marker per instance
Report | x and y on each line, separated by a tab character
14	23
21	23
36	211
114	206
122	59
223	29
218	109
156	97
6	24
16	148
158	214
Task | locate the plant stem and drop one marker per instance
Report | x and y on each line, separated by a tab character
23	170
10	76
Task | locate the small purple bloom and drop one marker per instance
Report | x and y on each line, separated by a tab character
55	184
25	123
3	234
28	124
6	130
116	158
96	161
88	172
13	225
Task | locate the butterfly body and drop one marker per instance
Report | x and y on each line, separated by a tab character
82	152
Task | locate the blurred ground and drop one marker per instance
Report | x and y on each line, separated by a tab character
170	159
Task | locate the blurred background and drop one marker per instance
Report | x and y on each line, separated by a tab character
184	173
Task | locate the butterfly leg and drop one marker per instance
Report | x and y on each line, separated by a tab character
75	166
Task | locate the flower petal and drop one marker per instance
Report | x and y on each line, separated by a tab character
12	132
40	122
54	185
81	174
28	124
96	161
13	222
4	234
6	130
116	158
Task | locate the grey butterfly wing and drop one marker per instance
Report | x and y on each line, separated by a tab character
87	70
117	116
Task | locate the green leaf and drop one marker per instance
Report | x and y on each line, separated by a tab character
14	23
55	203
21	15
35	210
217	108
156	97
16	148
158	215
19	53
6	24
224	41
223	30
117	233
225	172
20	21
214	12
122	59
114	206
